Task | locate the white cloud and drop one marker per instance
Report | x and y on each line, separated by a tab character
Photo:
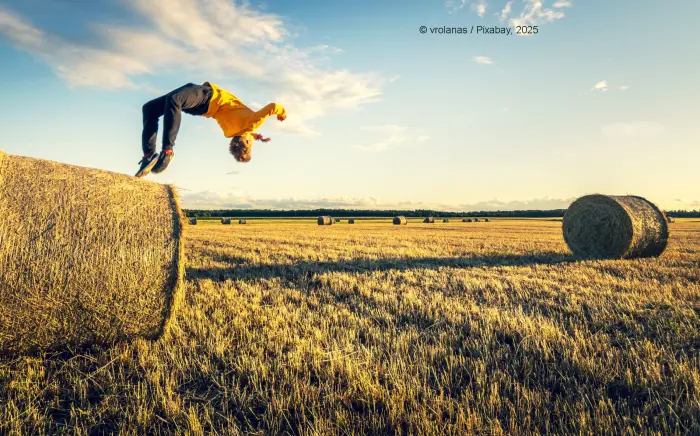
455	5
507	9
390	136
625	87
480	8
534	204
535	13
218	39
600	86
483	60
688	203
632	129
562	4
222	200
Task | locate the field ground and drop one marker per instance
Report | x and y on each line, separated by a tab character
445	328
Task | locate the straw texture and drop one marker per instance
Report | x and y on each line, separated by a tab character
86	256
615	227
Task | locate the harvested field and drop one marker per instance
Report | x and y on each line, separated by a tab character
374	328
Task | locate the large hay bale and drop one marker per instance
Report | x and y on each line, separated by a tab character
226	220
193	221
445	220
400	221
615	227
476	220
325	220
429	220
241	221
86	256
486	220
351	221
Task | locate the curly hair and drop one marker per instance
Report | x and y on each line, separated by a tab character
241	148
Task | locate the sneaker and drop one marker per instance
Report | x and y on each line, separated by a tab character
147	163
163	161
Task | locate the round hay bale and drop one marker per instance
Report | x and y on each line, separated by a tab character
193	221
241	221
351	221
445	220
615	227
476	220
87	256
325	221
486	220
429	220
400	221
226	220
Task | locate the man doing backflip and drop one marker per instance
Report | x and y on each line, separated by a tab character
237	121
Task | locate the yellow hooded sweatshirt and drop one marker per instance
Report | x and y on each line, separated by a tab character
234	117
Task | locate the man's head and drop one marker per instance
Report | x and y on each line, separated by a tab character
241	147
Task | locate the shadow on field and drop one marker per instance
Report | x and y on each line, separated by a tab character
239	270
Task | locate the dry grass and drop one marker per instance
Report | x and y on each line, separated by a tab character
288	327
86	256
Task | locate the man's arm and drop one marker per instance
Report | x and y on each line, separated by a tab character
272	109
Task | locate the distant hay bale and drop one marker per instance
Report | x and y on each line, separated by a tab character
400	221
351	221
87	256
241	221
466	220
476	220
615	227
486	220
325	221
193	221
226	220
445	220
429	220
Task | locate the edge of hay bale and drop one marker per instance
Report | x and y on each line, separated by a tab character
177	278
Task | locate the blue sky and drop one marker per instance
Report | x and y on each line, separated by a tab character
604	98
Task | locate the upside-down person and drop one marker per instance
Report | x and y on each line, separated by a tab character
208	100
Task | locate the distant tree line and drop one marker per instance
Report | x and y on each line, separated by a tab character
418	213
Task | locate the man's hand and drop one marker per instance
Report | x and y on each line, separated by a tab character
259	137
281	117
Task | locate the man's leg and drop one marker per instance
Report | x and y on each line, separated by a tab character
152	111
191	99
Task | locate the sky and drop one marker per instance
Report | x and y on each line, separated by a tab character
604	98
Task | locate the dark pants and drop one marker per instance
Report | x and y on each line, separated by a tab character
191	99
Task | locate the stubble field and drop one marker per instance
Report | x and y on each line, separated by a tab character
444	328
